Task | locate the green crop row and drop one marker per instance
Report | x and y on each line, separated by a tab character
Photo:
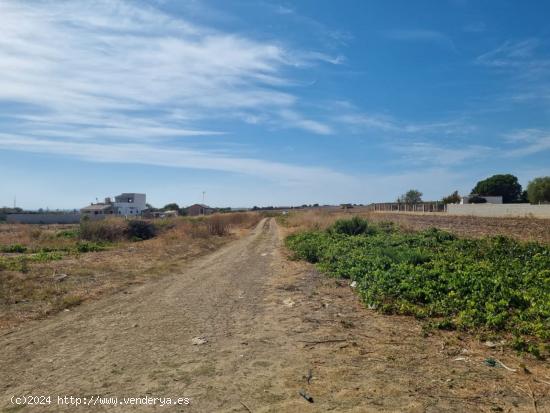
20	262
496	285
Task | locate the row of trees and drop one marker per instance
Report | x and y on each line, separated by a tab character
505	185
181	210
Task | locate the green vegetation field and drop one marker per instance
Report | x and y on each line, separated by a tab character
495	286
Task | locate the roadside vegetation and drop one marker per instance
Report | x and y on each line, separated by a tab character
495	286
48	268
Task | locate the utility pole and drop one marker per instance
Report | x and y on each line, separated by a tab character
14	201
203	193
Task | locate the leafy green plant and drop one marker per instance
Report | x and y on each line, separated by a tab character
87	246
44	256
492	284
68	233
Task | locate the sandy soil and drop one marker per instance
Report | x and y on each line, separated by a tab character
526	229
269	323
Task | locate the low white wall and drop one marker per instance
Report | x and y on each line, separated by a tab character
43	218
500	210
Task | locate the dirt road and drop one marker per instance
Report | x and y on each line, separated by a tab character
269	323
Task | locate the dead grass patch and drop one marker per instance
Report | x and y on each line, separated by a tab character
37	288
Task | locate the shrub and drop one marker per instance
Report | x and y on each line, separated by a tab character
14	248
140	230
476	199
354	226
105	230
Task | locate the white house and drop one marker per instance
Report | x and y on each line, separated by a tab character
130	204
126	204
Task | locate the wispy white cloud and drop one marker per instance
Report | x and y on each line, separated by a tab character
527	142
133	153
384	123
296	120
116	81
330	37
521	57
426	153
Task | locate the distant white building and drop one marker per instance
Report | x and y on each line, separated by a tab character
489	199
130	204
127	204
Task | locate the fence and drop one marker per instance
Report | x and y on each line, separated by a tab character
402	207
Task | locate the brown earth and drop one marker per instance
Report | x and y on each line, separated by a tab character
268	323
526	229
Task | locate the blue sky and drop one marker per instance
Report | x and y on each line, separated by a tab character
268	102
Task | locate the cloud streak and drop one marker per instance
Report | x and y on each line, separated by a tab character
129	153
110	76
520	57
365	121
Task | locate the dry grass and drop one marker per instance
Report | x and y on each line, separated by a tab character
35	288
310	219
36	237
524	229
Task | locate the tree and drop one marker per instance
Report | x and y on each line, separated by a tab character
171	207
524	198
151	208
538	190
412	196
506	186
454	198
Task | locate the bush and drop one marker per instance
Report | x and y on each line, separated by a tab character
476	199
14	248
354	226
140	230
110	230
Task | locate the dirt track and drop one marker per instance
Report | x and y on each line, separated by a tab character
268	323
